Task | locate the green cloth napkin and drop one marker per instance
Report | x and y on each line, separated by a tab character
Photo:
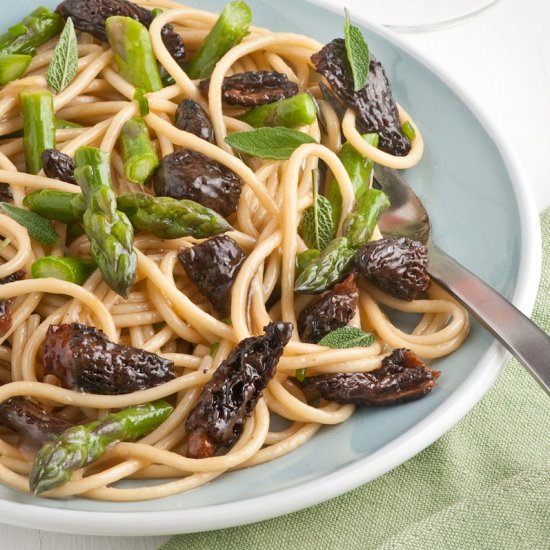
483	485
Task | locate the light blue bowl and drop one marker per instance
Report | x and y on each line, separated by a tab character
482	214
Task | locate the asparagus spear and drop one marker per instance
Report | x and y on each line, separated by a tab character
359	170
131	45
304	259
12	66
62	124
290	112
327	269
169	218
165	217
38	125
33	31
82	445
73	270
359	225
138	152
321	272
60	206
110	232
230	28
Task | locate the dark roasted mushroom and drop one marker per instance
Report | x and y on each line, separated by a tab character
84	359
374	105
90	16
231	394
191	117
5	193
213	266
187	174
58	165
334	310
253	88
402	377
398	266
5	315
28	418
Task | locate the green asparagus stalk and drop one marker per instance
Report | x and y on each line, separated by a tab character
327	269
290	112
60	206
110	232
359	225
169	218
73	270
13	66
81	445
38	125
165	217
62	124
304	259
34	30
138	152
230	28
134	56
359	170
320	273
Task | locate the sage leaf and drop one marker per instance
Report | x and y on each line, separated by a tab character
347	337
358	54
316	227
39	228
64	64
276	143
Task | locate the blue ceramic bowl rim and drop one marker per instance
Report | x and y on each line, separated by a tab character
390	456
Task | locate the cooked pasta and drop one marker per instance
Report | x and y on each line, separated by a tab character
164	313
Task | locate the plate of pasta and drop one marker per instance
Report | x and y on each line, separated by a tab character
200	323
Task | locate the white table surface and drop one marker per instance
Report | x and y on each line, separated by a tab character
502	58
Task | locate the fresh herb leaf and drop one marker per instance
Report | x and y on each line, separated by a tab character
143	103
316	227
155	12
276	143
214	349
408	130
64	64
347	337
40	229
300	375
358	54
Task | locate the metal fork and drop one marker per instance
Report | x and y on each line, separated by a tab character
408	217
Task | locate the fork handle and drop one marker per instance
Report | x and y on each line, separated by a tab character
527	342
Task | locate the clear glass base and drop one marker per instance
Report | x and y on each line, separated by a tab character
424	15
